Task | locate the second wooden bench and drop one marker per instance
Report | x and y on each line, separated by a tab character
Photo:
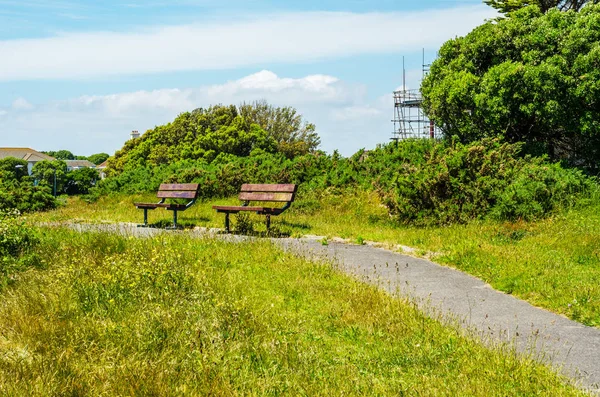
261	193
187	191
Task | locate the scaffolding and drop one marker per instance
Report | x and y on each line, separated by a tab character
409	119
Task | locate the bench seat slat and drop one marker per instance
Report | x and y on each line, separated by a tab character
236	208
179	186
179	207
176	194
261	210
254	196
265	188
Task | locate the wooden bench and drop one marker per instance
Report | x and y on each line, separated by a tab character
260	193
187	191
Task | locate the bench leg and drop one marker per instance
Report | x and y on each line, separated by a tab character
268	222
227	222
145	218
175	219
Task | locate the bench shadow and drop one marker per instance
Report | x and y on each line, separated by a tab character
303	226
183	223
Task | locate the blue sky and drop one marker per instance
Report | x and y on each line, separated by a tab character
80	75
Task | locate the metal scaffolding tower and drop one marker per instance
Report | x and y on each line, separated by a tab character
409	119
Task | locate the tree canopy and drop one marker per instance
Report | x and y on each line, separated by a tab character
532	78
204	134
508	6
18	190
61	154
292	134
98	158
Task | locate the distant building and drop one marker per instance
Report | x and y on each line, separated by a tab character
78	164
135	134
27	154
101	167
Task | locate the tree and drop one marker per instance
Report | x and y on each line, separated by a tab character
508	6
45	171
294	136
61	155
532	78
203	134
80	181
98	158
17	190
13	168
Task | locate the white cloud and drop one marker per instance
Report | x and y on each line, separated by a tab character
91	124
21	104
286	37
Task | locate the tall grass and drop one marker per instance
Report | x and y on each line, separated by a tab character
553	263
179	316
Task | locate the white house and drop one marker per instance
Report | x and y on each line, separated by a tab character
27	154
78	164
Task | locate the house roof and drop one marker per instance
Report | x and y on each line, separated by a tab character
26	154
102	164
80	164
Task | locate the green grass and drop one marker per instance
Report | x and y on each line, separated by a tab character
553	263
109	315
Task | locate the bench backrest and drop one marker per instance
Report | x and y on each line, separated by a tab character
277	193
178	191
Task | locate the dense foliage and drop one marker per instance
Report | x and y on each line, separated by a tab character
420	181
98	158
17	243
68	155
508	6
18	191
77	181
532	78
450	183
205	134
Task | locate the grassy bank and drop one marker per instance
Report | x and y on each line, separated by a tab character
553	263
108	315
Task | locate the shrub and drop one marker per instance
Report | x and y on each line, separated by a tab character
17	190
17	242
455	183
539	189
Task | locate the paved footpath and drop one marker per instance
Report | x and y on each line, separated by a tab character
569	346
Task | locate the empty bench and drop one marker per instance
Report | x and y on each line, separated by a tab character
184	191
261	194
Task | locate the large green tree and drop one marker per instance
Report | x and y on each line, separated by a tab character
204	134
294	136
508	6
532	78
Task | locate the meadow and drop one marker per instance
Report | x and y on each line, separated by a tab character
551	263
102	314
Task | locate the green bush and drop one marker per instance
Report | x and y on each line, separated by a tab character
16	246
455	183
420	181
17	189
539	189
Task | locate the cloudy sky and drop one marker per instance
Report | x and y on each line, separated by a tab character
80	75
